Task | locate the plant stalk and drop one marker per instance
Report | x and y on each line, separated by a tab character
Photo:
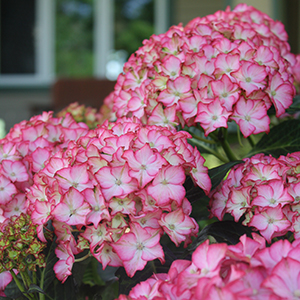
251	141
20	286
225	145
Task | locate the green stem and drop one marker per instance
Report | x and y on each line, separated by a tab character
251	141
20	286
41	295
199	138
34	279
209	150
226	146
42	279
26	279
82	258
153	266
238	132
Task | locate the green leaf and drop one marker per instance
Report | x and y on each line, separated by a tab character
200	209
50	284
108	274
91	276
295	107
33	288
47	274
217	174
194	192
67	290
79	267
228	232
109	292
19	298
282	139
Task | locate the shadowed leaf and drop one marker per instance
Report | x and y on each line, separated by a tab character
295	107
217	174
65	291
281	140
35	289
228	232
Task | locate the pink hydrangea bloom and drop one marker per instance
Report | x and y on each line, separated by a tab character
208	72
266	191
121	186
5	279
137	247
24	152
63	267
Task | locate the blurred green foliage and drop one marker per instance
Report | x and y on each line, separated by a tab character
74	32
74	38
134	21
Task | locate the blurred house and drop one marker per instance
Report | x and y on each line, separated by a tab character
54	52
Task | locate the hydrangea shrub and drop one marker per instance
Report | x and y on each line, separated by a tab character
127	188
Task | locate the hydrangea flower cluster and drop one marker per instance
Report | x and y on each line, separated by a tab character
120	187
246	271
230	66
266	191
24	151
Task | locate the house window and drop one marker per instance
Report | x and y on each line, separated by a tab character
26	48
17	37
89	35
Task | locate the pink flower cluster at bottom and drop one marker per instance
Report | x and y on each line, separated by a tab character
248	270
266	191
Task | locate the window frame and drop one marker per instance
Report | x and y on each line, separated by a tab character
104	30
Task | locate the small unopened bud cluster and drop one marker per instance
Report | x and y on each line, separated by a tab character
20	248
81	113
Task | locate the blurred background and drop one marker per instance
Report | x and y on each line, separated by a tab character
54	52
